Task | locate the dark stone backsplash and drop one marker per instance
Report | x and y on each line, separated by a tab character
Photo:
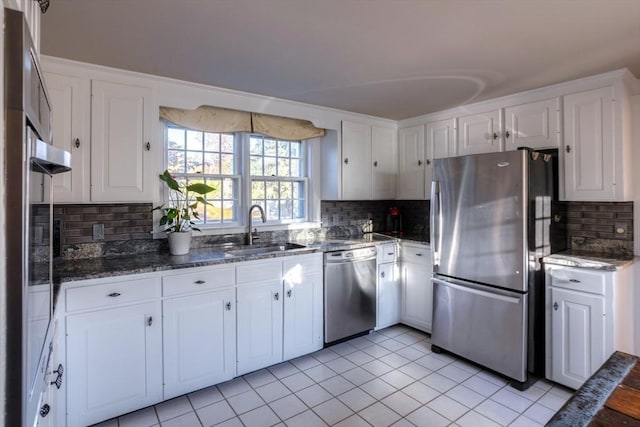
589	226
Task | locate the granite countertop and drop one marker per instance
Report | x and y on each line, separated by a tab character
584	406
594	261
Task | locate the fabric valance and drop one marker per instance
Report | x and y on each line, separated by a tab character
214	119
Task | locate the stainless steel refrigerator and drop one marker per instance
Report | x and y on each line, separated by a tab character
490	225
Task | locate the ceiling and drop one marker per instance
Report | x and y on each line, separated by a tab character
387	58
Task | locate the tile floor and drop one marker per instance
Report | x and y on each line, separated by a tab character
389	377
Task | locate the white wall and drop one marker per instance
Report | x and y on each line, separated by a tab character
635	152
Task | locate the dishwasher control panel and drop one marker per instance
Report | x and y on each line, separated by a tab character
352	254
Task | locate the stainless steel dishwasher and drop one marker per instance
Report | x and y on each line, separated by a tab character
349	293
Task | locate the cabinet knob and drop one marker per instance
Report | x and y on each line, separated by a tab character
568	149
76	142
289	293
574	280
228	306
555	306
346	161
428	162
382	274
507	134
199	282
276	296
148	146
375	164
418	254
495	135
419	162
44	410
150	320
114	294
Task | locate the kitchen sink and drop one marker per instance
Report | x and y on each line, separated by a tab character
259	250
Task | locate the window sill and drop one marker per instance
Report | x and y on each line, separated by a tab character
235	229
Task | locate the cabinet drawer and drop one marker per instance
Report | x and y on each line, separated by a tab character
417	254
579	280
200	280
387	253
307	264
110	294
258	272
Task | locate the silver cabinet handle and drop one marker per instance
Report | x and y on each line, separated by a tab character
199	282
289	293
375	164
568	148
419	254
495	135
150	320
114	294
390	253
382	274
574	280
428	162
346	161
276	296
507	134
76	142
419	162
148	146
555	306
228	306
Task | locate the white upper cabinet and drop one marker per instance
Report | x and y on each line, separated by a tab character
70	113
120	143
356	161
479	133
369	164
596	145
440	144
535	125
384	160
411	168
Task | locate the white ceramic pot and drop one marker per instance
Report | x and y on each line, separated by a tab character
179	242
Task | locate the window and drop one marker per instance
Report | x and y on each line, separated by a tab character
278	181
275	175
212	158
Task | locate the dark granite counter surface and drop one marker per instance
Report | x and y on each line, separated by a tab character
583	406
590	260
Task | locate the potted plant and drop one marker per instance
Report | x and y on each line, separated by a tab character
178	217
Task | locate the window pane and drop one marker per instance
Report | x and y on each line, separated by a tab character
295	149
283	167
226	144
212	141
286	190
269	147
272	190
212	163
255	145
298	209
270	166
227	164
297	190
229	211
194	162
175	138
214	213
227	188
286	209
283	148
217	192
256	166
273	210
194	140
175	161
295	167
257	190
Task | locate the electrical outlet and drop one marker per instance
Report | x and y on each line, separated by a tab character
98	231
619	230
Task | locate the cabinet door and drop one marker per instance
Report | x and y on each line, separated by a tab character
70	125
303	321
199	343
577	336
479	133
388	295
440	144
384	149
589	145
417	295
114	358
411	155
534	125
259	329
121	157
356	161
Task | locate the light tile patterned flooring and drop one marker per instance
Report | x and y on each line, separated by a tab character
389	377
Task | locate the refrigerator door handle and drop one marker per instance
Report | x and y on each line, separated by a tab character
494	294
435	222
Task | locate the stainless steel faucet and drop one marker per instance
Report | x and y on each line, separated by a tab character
264	219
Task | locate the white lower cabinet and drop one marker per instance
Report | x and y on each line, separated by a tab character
388	287
303	315
114	357
199	345
589	316
416	305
